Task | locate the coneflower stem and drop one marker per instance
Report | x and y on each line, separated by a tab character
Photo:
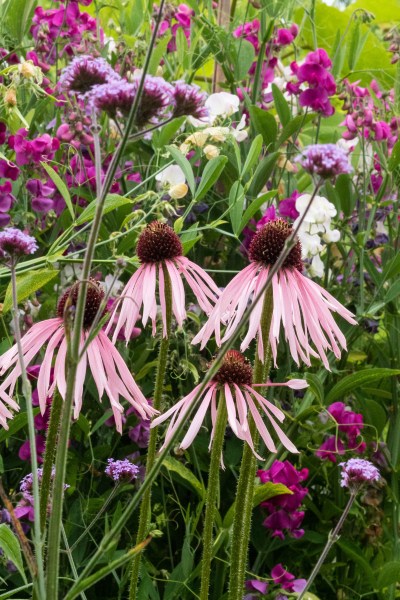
211	496
49	454
245	489
332	539
27	392
145	507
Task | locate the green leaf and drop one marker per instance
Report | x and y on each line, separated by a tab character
253	155
175	467
392	268
354	553
281	105
162	136
262	174
269	490
393	292
264	123
18	17
255	206
294	126
357	380
236	202
158	53
10	546
185	165
244	59
17	423
112	202
388	574
213	170
356	46
27	284
394	159
344	190
60	185
374	414
315	386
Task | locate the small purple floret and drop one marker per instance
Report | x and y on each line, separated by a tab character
324	160
121	470
357	471
15	243
84	72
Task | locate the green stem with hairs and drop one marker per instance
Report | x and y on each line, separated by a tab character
38	584
145	507
245	489
49	454
211	496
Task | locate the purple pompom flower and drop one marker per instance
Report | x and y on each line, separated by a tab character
85	72
189	101
356	472
14	243
121	470
324	160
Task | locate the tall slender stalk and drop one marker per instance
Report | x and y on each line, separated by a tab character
245	490
74	346
332	539
27	392
211	496
145	507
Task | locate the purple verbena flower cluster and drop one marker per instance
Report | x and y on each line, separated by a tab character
283	509
15	243
121	470
349	426
314	72
85	72
357	472
324	160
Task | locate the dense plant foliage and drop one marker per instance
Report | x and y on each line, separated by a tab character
199	278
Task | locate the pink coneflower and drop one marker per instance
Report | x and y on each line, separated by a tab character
160	248
302	307
234	378
109	371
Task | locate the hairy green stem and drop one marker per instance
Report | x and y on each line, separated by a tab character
27	392
211	496
245	490
332	539
145	507
50	451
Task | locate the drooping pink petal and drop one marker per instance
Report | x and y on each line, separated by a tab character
129	305
178	293
197	419
43	382
149	291
80	380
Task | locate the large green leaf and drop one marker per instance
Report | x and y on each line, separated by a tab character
186	476
269	490
10	546
264	123
112	202
18	17
253	154
213	170
27	284
388	574
236	202
356	380
60	185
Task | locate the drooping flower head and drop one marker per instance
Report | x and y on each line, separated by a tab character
357	472
234	379
85	72
14	243
160	251
324	160
108	369
300	306
121	470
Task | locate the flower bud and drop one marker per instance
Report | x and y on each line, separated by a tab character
178	191
211	151
27	69
198	138
10	97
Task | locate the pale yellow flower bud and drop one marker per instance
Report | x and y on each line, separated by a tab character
160	71
184	148
218	134
198	138
211	151
28	69
178	191
10	97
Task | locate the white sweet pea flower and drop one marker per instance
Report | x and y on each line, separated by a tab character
310	244
316	268
170	176
321	210
331	235
238	133
222	104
